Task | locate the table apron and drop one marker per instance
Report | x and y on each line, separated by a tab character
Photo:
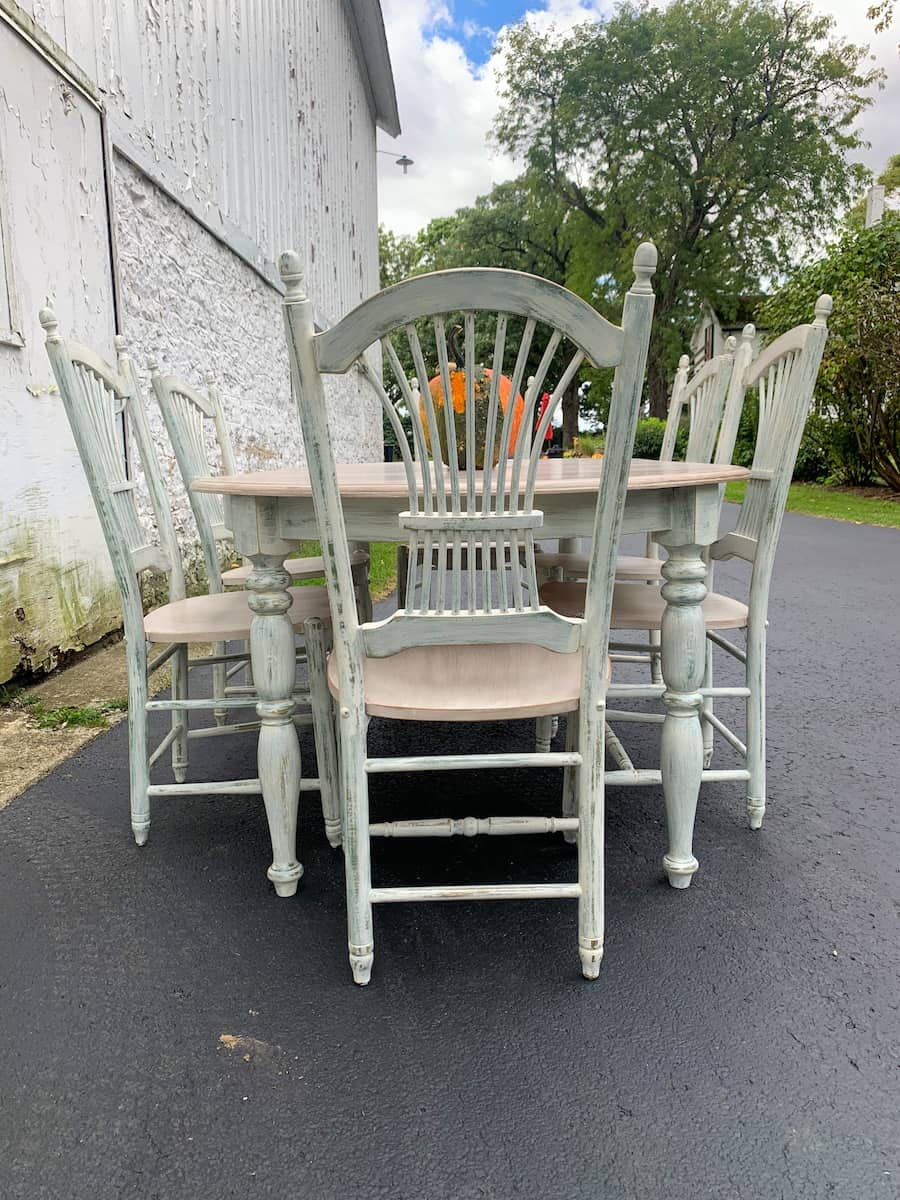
685	515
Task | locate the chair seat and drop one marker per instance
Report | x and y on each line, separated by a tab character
297	568
636	607
224	616
627	566
469	683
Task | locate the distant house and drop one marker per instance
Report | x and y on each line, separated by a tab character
712	331
155	158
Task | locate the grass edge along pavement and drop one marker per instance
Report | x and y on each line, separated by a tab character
835	504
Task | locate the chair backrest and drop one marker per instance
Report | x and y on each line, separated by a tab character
196	424
734	401
702	396
785	375
472	467
101	402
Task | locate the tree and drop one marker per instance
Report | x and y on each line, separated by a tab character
858	391
719	129
399	256
521	226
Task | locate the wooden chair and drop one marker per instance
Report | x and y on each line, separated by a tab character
476	645
706	398
785	375
103	405
712	400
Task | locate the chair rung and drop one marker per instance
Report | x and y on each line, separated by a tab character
473	826
225	787
489	891
647	778
468	762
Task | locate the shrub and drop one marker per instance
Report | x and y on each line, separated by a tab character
648	438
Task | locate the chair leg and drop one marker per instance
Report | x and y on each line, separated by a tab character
219	674
357	861
756	726
402	570
180	721
138	758
653	636
570	778
543	733
323	728
363	594
591	784
708	731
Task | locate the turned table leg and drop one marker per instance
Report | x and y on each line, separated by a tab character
683	664
273	658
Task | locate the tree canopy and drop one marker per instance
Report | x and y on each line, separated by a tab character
859	382
719	129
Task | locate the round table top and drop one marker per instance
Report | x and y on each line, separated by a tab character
388	480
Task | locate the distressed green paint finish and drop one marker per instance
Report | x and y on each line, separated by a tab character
48	608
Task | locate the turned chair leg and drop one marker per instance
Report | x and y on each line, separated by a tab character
220	677
357	861
543	733
180	691
570	778
756	726
708	731
138	756
323	729
591	784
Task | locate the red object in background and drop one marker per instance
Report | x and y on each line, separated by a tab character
542	408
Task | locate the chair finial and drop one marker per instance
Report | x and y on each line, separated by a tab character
748	333
120	344
47	318
730	344
210	379
645	260
291	270
824	305
684	362
153	365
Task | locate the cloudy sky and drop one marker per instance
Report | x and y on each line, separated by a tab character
446	90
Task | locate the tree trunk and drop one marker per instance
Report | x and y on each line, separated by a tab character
657	383
570	415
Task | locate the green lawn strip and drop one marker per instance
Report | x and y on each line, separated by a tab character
382	566
86	716
816	500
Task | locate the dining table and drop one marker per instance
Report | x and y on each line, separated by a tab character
269	513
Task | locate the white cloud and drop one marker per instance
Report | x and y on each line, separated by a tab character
448	104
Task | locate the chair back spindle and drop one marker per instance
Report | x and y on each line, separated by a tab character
785	376
98	398
471	463
196	425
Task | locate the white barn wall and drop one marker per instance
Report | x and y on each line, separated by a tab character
57	591
236	130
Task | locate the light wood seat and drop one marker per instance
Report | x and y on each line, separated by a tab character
297	568
636	607
468	683
628	566
225	616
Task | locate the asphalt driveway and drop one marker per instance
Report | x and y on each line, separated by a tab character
171	1029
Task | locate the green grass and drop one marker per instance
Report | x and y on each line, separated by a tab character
87	716
382	566
816	500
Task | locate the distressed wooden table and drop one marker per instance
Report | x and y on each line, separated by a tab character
270	512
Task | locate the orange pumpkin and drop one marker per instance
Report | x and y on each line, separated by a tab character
482	390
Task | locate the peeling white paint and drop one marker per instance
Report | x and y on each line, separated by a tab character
253	133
